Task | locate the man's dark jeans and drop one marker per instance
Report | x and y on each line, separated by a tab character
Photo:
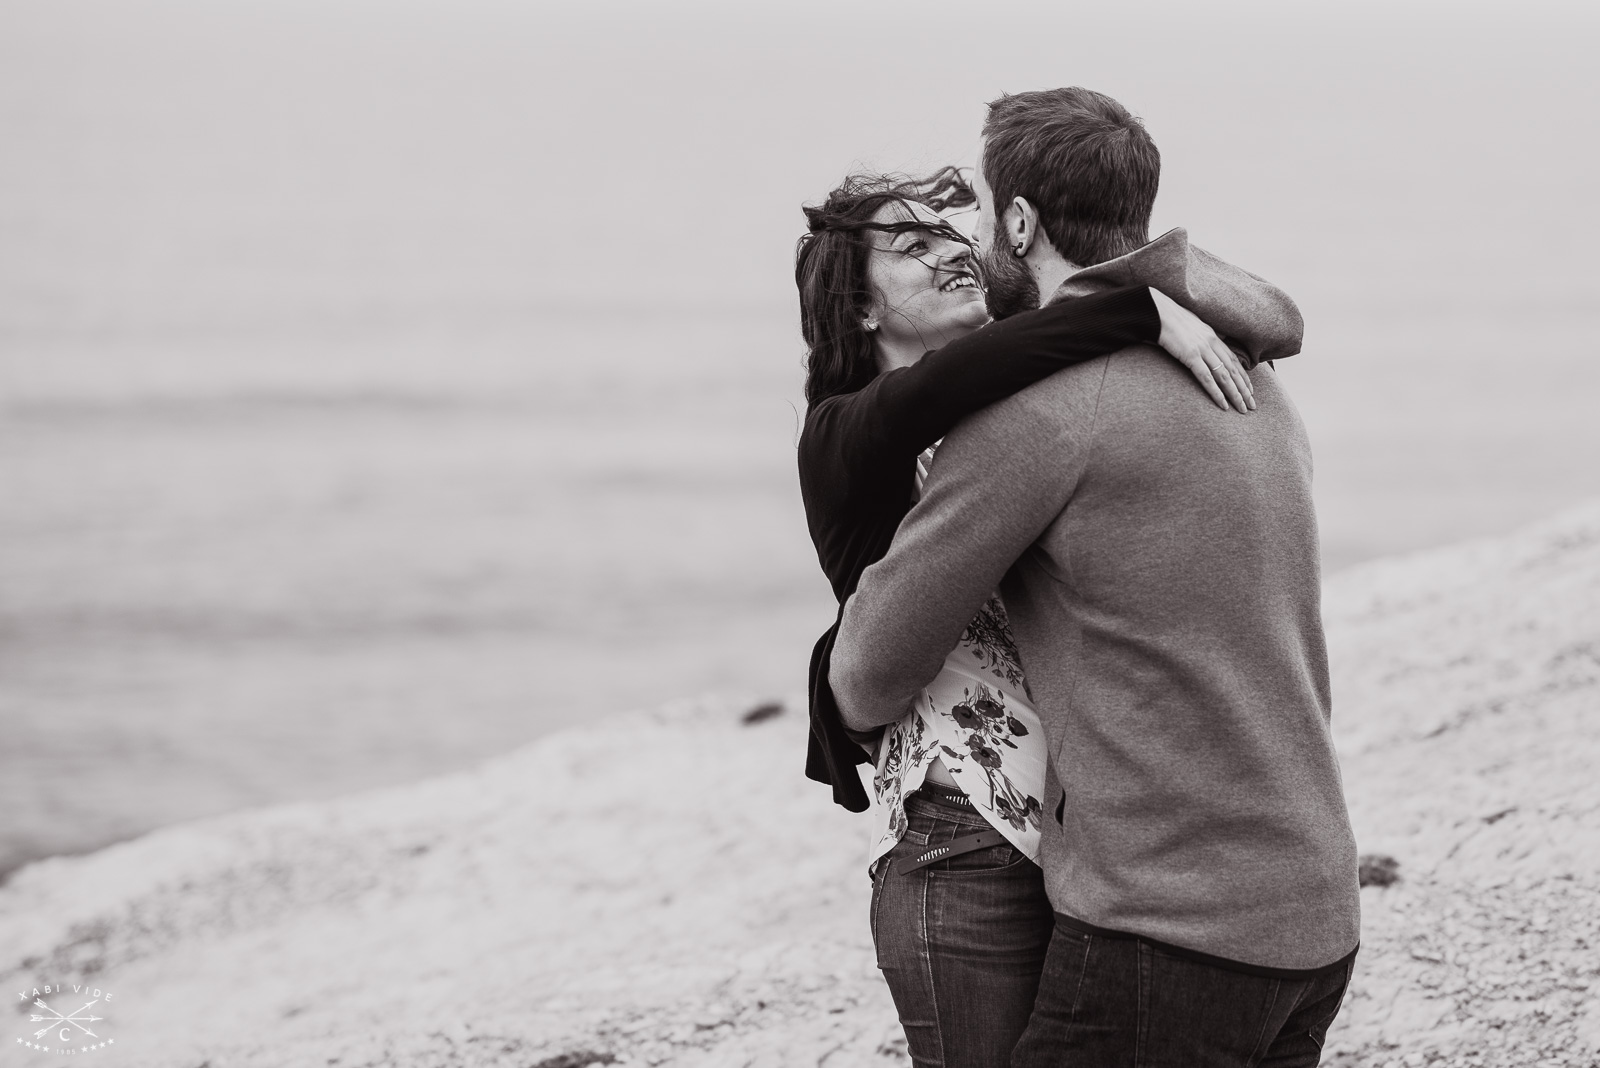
1122	1002
961	941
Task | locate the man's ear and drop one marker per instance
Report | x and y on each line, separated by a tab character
1020	226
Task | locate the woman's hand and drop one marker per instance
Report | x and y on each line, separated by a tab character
1195	345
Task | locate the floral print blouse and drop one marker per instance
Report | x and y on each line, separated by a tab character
978	718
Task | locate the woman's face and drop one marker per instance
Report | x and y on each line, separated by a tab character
924	291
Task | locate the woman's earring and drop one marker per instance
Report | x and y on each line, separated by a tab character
1019	249
869	325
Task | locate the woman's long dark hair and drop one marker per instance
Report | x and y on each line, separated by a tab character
830	270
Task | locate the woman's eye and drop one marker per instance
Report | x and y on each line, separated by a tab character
916	248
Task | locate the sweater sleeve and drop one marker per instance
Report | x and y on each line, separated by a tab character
881	428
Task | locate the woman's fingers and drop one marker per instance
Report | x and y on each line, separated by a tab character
1241	373
1224	376
1200	367
1229	387
1236	373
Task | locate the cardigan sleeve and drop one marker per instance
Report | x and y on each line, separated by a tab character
877	432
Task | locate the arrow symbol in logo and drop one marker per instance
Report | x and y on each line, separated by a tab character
55	1018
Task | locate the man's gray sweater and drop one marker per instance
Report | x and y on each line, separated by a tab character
1158	560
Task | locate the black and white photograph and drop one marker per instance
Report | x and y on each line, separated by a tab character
828	534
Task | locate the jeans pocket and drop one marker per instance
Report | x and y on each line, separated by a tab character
1318	1032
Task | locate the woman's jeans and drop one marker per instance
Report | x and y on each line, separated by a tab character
962	941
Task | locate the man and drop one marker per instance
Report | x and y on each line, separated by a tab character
1158	560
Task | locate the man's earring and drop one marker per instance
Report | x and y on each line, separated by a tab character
1019	249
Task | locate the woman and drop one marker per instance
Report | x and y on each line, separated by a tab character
891	310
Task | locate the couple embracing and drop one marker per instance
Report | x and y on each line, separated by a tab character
1079	637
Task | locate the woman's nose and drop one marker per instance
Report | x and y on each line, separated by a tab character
953	255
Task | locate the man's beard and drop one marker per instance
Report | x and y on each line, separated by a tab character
1008	284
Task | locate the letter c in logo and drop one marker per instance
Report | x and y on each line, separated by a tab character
66	1033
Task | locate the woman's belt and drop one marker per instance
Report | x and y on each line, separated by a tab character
967	843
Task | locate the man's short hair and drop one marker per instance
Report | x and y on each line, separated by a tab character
1082	160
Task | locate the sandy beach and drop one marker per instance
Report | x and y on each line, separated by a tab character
665	888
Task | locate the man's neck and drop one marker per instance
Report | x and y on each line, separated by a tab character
1049	271
1050	268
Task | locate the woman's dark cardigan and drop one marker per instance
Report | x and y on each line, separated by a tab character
858	454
